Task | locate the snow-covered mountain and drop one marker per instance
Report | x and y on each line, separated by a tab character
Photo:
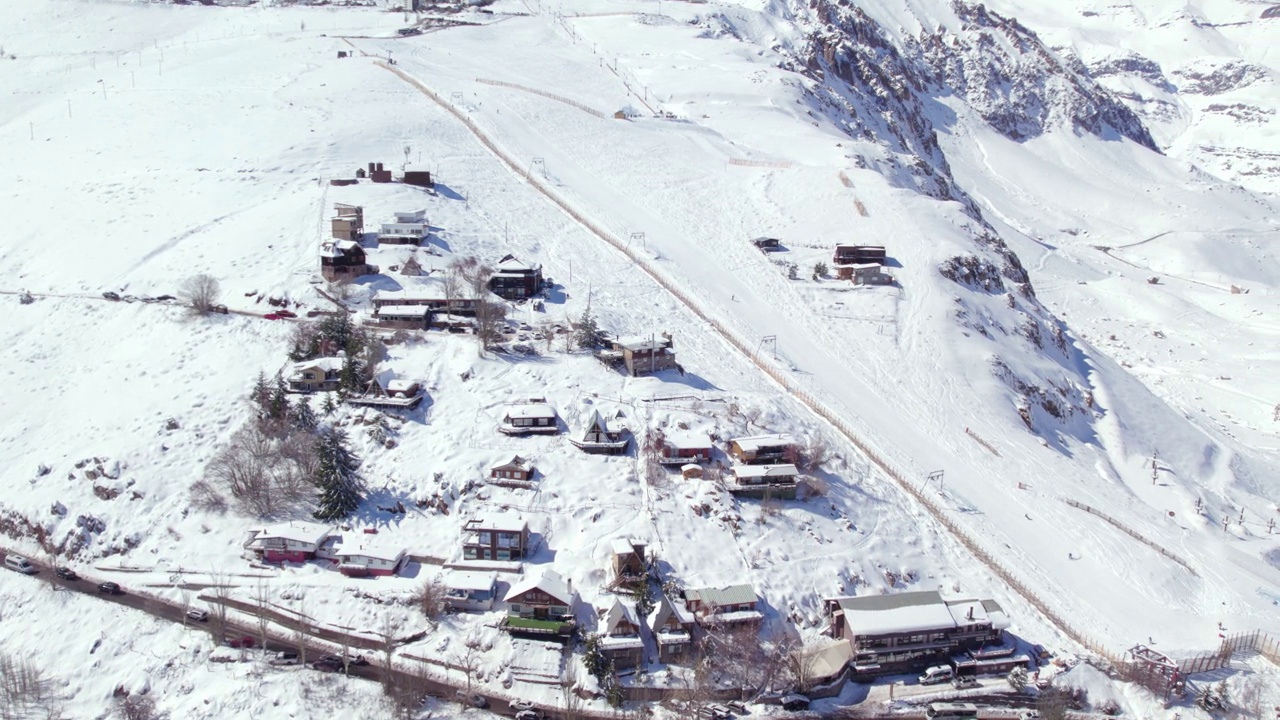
1076	197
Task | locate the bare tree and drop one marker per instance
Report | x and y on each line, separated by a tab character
186	606
801	664
221	590
25	691
469	660
815	453
431	598
568	691
200	293
737	655
262	471
490	310
300	632
387	634
406	693
1053	704
261	599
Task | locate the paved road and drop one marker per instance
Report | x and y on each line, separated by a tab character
177	614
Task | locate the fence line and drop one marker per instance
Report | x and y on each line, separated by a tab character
545	94
1256	641
774	373
1134	533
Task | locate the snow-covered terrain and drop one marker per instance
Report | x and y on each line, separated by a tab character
1024	349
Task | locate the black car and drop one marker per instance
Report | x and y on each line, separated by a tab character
110	588
66	573
327	664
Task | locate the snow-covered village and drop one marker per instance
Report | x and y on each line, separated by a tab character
640	359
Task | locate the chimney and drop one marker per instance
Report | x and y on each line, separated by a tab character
970	612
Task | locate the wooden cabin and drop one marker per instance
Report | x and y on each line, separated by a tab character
514	280
858	254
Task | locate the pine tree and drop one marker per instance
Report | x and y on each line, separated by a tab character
586	332
302	416
329	405
349	376
261	395
337	476
593	658
612	688
1018	679
278	404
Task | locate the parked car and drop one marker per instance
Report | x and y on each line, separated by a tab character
714	712
110	588
475	701
962	683
520	705
287	313
285	657
528	715
795	702
740	708
326	664
198	615
111	296
17	563
271	316
937	674
66	573
1029	715
245	641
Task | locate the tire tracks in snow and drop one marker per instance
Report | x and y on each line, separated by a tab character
787	385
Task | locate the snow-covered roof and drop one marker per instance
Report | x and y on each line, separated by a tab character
548	582
970	611
469	580
372	549
753	443
866	266
404	228
324	364
516	461
624	546
898	613
827	658
337	248
531	410
689	467
617	613
636	343
403	310
667	608
728	595
510	264
506	522
411	216
298	531
765	471
687	440
399	385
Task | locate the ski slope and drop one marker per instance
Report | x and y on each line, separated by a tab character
208	145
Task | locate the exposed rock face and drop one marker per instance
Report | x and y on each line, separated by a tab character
1018	85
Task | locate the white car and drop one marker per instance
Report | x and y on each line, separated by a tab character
1029	715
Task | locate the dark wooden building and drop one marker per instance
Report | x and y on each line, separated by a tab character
858	254
343	259
417	176
514	280
912	630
